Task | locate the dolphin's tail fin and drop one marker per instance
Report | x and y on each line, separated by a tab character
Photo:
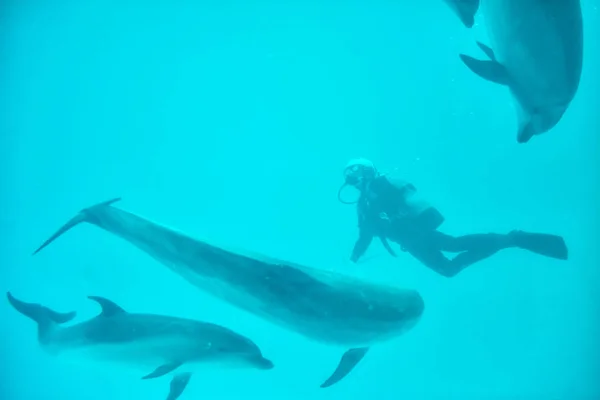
76	220
43	316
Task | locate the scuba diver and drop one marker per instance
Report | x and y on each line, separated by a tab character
390	208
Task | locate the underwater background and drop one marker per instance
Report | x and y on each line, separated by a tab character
234	120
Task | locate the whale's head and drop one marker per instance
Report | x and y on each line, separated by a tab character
405	312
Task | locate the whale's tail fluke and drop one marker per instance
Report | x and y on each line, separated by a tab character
76	220
43	316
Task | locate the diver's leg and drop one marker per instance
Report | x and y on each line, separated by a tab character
472	248
430	256
484	245
479	242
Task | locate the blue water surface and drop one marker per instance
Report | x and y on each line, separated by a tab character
234	119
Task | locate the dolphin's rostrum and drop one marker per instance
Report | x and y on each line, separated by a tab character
164	344
322	306
465	10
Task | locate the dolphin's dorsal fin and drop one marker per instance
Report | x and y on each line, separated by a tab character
109	308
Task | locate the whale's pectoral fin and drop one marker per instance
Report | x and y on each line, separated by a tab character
490	70
178	385
346	365
163	370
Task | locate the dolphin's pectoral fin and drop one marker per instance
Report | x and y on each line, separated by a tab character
163	370
178	385
489	70
346	365
109	308
487	50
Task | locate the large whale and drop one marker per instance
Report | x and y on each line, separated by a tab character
537	52
157	344
465	10
323	306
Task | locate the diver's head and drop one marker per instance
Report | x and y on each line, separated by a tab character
359	172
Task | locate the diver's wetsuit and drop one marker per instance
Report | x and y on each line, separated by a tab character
389	208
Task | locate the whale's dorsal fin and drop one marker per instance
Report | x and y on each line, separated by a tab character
109	308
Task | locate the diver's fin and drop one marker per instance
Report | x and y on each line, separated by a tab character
178	385
109	308
43	316
76	220
346	365
490	70
163	370
541	243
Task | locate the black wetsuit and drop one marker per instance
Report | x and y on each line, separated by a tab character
390	209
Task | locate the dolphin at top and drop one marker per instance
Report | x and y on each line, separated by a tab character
537	52
159	345
323	306
465	10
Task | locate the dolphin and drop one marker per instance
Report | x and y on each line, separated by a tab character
323	306
161	344
537	52
465	10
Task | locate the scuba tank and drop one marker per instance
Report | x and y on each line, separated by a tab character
415	210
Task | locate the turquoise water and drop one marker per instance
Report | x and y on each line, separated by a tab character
235	120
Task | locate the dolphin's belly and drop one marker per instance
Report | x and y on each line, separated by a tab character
142	354
142	357
539	43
